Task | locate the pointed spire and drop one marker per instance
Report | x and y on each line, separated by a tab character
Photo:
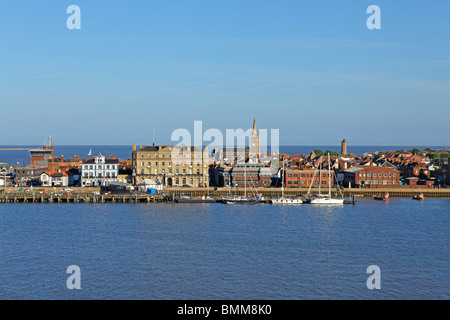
254	125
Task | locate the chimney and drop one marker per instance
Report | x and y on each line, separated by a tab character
62	158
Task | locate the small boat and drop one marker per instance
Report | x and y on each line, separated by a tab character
383	197
419	197
286	200
326	199
283	199
240	200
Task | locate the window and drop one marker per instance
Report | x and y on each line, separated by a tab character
191	182
156	171
142	164
177	171
184	171
163	163
156	163
303	175
324	182
149	164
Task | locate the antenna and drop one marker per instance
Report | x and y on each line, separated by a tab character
153	136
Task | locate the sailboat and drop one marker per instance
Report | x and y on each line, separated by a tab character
326	199
90	152
244	199
283	199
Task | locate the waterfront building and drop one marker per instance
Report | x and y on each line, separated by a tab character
61	164
99	171
304	178
54	179
28	175
250	175
371	177
189	168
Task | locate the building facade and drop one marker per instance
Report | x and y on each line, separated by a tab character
371	177
305	178
99	171
190	167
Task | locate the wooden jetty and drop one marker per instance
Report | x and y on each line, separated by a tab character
29	198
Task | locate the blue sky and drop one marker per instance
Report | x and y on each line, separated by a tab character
309	68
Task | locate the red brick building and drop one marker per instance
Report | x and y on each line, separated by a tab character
371	177
304	178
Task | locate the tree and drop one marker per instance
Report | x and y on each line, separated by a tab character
332	153
414	150
319	152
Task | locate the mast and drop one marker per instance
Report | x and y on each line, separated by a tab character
312	181
329	178
245	180
320	174
282	181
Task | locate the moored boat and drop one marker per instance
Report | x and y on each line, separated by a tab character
419	197
383	197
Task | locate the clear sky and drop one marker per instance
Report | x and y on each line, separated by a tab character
309	68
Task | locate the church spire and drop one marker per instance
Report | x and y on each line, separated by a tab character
254	126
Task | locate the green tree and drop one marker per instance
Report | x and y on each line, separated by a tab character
319	152
332	153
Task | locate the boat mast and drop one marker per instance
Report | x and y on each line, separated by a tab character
329	178
282	181
312	181
245	181
320	174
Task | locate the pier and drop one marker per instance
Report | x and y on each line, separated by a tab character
171	194
27	198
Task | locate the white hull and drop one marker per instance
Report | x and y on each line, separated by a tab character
286	201
327	201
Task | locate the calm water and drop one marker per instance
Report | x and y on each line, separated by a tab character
215	251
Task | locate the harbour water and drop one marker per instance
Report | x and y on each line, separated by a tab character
216	251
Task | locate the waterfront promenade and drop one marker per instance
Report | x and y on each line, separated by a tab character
92	195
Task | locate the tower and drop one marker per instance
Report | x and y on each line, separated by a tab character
343	148
254	143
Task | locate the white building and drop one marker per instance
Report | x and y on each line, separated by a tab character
99	171
54	179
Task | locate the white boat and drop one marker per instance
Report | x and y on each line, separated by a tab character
283	199
326	199
243	199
